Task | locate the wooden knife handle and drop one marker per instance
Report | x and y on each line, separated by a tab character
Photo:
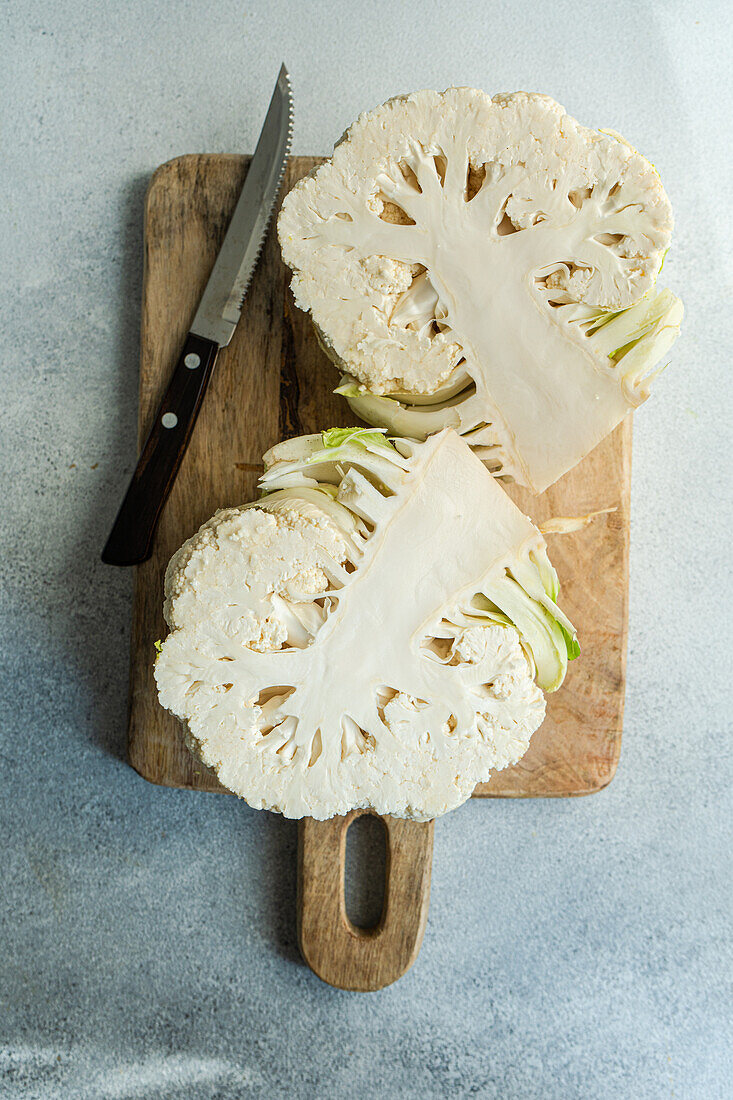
131	537
362	959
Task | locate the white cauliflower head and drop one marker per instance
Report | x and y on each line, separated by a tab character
489	265
368	634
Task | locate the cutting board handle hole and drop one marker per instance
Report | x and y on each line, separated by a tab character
365	870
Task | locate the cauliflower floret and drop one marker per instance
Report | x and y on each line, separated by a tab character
241	559
476	252
389	277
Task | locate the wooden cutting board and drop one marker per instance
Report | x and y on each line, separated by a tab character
273	381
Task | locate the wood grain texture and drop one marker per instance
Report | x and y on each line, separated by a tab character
343	955
274	381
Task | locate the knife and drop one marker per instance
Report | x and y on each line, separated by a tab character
131	538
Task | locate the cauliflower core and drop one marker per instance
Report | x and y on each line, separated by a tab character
348	641
486	264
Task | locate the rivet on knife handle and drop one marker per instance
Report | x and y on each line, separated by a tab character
131	538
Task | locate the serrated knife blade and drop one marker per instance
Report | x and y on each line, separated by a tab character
131	539
221	305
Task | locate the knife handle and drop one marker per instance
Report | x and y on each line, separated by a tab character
131	538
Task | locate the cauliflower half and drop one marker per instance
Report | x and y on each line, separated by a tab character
367	634
488	265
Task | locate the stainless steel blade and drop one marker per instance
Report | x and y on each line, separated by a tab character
221	305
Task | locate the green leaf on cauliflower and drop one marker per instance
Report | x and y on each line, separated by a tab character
337	437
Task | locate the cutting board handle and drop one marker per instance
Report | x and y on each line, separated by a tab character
362	959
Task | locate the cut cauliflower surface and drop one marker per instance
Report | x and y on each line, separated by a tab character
487	265
374	632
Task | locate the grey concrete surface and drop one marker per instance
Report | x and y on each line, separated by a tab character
147	943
